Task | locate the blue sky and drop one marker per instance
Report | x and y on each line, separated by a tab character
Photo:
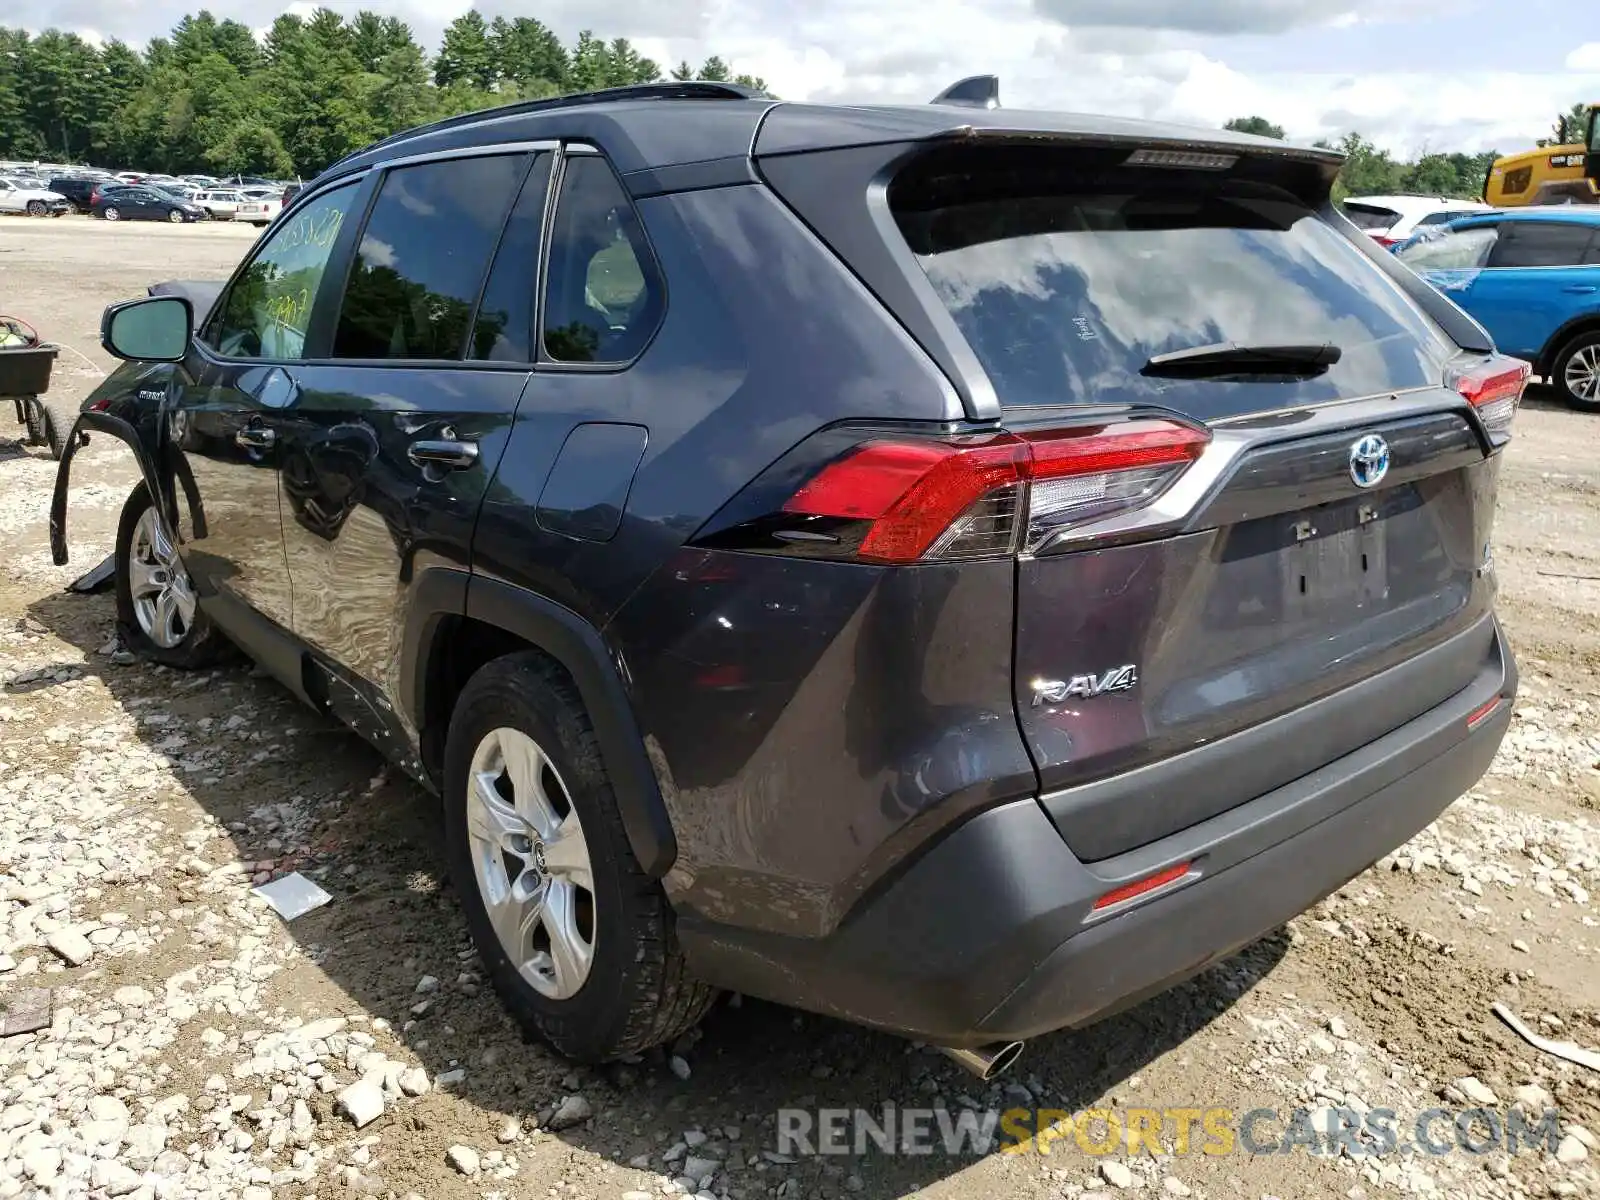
1412	75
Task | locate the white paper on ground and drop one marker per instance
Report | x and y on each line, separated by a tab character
292	896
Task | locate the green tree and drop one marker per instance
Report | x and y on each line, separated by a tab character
1367	170
250	147
467	54
1259	126
374	38
528	53
62	85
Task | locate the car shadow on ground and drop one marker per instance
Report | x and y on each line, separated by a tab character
294	790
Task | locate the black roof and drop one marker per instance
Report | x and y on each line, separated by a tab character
654	125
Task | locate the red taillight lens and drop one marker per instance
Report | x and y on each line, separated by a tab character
1494	387
973	497
1385	241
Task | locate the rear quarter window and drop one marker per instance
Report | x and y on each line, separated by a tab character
1371	217
1065	282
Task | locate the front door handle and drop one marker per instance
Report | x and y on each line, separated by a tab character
1580	289
255	437
429	452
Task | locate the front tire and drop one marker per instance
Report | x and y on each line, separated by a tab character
175	216
1575	372
580	944
37	208
111	214
158	616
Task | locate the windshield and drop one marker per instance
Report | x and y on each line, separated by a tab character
1066	282
1452	249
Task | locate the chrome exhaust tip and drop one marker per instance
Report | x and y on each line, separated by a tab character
984	1061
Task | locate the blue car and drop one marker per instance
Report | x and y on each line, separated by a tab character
1531	277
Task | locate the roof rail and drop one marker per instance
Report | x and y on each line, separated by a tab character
975	91
688	89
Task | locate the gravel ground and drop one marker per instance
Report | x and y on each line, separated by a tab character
197	1045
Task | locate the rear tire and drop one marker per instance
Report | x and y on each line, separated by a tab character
627	988
1575	372
37	208
111	214
143	563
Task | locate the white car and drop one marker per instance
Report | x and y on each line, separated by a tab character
223	205
1389	220
23	196
260	210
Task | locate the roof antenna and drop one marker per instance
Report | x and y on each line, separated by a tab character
975	91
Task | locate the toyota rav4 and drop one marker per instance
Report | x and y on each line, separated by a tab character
955	569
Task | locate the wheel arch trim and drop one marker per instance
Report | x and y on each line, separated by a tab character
578	647
1586	323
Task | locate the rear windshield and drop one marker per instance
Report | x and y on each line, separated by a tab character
1066	281
1371	217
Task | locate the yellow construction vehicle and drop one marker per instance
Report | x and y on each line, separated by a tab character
1564	174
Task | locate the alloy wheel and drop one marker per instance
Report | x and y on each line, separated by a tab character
531	862
163	598
1582	375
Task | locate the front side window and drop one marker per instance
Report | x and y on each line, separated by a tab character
268	306
423	256
603	295
1542	244
1452	250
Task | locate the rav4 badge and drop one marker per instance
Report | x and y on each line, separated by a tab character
1054	691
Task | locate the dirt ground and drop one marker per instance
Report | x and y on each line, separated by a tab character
199	1048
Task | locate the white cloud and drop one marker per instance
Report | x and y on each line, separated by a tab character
1585	58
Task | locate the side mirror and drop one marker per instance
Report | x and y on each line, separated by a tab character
154	329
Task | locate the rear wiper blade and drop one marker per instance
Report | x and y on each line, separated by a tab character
1230	358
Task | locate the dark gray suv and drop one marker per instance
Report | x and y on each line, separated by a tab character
954	569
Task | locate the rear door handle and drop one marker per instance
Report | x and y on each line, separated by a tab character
429	452
1580	289
255	437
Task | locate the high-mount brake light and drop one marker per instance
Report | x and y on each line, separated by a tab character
978	497
1494	387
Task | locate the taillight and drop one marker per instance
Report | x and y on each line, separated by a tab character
1494	387
895	499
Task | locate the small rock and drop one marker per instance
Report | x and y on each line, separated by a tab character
463	1158
1531	1098
510	1131
1476	1091
1336	1026
116	1178
1116	1174
362	1102
1174	1186
413	1081
700	1169
1570	1151
426	984
573	1110
131	997
450	1078
70	945
679	1067
1520	946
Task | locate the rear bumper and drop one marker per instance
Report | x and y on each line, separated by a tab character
991	933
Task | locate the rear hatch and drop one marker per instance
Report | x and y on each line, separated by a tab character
1270	558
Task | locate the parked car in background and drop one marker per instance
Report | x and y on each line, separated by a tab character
29	196
144	204
221	203
1068	568
1389	220
260	209
78	190
1531	277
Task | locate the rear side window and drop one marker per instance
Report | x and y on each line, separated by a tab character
1066	281
1371	217
1542	244
503	330
422	258
1454	249
603	295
